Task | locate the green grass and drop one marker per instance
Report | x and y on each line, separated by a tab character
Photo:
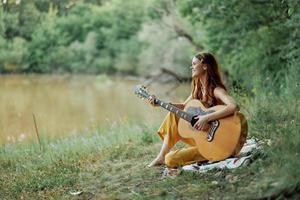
109	163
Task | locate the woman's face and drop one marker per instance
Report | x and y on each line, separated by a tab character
197	67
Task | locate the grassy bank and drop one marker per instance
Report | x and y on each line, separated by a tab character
109	163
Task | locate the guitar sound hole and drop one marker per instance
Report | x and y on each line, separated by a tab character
194	120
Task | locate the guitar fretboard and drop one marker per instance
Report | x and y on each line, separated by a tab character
180	113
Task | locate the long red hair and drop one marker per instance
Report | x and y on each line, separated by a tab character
214	80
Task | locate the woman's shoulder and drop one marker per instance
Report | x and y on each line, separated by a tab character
219	94
219	91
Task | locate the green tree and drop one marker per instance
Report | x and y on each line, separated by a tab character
252	38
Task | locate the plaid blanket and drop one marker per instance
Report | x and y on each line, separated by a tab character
246	155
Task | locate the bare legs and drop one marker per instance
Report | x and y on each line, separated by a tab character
160	158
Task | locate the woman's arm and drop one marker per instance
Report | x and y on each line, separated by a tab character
230	105
230	108
182	105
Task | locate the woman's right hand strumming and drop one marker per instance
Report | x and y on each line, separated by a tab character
151	100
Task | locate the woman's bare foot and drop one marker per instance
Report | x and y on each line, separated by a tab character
157	161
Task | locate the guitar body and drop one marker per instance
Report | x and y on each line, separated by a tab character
221	138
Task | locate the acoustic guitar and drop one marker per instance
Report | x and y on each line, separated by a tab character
221	139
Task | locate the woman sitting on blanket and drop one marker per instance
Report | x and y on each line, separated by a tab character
208	87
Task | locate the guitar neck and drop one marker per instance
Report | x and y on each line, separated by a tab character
180	113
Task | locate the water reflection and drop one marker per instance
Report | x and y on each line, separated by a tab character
66	105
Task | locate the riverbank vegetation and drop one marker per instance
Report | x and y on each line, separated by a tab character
251	39
257	45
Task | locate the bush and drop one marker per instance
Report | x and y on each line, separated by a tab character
14	58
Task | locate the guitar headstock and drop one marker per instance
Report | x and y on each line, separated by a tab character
141	91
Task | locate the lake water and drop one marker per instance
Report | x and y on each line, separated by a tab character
69	105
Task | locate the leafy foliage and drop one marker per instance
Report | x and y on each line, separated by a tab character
252	38
66	36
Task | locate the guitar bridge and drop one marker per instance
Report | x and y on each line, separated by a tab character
212	130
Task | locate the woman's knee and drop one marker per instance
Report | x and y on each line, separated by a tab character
170	160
